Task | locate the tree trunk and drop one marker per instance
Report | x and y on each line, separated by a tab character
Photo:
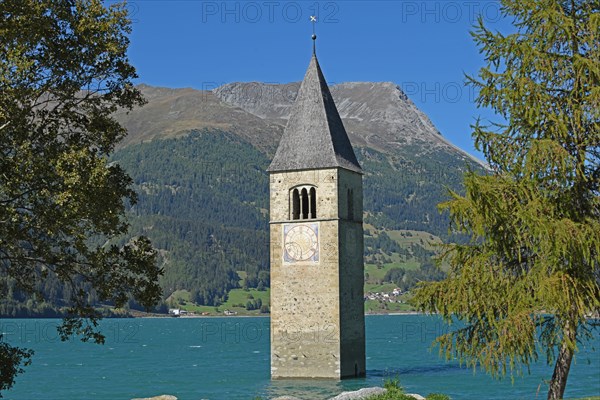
558	383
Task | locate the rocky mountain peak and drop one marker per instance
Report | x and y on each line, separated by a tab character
265	100
376	114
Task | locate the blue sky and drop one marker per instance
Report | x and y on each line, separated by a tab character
422	46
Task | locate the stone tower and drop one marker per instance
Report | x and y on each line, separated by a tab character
317	271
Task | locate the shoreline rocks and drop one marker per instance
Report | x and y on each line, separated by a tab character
360	394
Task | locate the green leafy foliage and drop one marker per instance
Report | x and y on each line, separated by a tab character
408	279
394	391
437	396
11	360
392	384
254	304
63	73
528	281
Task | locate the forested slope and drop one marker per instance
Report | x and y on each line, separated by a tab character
198	162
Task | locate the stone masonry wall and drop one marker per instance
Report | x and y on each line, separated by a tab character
351	277
316	330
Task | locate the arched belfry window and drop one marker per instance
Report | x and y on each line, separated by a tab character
312	195
295	204
303	202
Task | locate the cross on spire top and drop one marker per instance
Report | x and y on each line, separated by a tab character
313	20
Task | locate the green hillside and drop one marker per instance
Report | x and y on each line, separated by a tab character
203	201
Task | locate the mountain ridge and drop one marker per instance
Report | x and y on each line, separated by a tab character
375	114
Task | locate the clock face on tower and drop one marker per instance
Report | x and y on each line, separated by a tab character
301	243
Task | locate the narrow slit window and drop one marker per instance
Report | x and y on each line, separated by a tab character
350	204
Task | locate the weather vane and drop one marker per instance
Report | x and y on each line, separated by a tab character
313	19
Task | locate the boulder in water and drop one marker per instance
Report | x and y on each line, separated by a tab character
359	394
286	398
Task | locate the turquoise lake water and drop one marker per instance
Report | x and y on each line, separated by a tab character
228	358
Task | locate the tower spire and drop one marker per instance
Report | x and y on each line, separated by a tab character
314	137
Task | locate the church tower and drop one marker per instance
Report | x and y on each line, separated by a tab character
317	271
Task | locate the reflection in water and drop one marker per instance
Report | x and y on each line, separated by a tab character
311	389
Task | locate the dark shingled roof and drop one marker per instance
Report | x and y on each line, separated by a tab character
314	136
